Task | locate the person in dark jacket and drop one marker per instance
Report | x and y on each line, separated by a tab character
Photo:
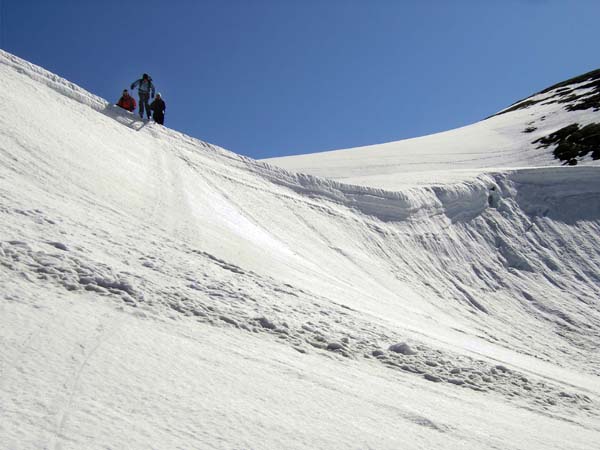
158	108
127	101
145	89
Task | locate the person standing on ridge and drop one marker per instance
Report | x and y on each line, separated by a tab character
145	89
158	108
127	101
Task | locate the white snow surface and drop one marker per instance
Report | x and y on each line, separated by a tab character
497	143
157	291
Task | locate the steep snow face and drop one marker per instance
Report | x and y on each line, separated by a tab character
158	291
506	140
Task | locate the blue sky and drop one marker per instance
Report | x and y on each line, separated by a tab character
276	77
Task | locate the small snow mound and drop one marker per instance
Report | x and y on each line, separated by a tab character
58	245
332	346
402	348
430	377
266	323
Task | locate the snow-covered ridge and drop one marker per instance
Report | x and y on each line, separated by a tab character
361	197
74	92
151	276
508	140
52	80
383	204
581	92
302	183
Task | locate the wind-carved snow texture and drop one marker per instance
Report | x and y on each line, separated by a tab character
66	270
296	319
229	295
485	288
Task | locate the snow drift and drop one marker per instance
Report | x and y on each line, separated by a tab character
159	291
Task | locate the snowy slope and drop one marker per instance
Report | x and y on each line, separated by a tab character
160	292
506	140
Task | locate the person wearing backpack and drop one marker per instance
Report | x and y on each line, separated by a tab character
145	90
158	108
127	101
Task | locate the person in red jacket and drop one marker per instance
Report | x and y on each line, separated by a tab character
127	101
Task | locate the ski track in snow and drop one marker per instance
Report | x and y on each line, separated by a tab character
489	285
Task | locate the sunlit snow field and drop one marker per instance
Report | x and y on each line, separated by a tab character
157	291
